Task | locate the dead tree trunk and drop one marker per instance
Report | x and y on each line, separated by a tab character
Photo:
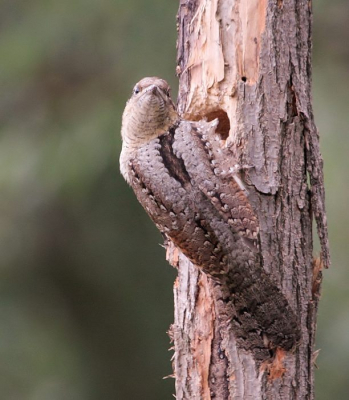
248	63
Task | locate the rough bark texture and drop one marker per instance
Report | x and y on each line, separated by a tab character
248	63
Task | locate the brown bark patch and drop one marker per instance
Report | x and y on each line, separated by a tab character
172	254
275	368
317	277
203	336
252	19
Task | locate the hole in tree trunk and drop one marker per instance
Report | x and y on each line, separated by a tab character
223	125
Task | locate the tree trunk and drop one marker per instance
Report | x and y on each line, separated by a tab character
248	63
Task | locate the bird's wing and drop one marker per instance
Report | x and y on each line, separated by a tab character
179	210
205	160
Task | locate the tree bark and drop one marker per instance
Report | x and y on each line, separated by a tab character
248	63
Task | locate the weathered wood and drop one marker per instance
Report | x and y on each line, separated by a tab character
249	64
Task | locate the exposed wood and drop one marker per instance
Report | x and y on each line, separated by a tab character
249	64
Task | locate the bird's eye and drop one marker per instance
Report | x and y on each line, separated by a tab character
136	90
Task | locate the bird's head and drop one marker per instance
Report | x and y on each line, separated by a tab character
149	112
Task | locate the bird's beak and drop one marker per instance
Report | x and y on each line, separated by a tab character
152	89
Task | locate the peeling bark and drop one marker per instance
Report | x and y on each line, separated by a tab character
248	63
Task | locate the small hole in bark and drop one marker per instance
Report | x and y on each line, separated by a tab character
223	124
244	79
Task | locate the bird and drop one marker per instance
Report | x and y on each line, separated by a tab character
184	177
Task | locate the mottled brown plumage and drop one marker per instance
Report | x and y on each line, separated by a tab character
180	174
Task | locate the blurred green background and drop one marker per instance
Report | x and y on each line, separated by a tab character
85	291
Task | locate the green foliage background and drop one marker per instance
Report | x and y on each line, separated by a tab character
85	292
